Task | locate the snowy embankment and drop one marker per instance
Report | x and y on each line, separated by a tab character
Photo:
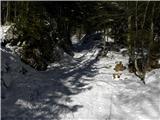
80	89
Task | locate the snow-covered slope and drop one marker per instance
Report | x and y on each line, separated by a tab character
83	89
12	69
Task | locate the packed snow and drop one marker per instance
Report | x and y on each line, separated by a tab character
81	89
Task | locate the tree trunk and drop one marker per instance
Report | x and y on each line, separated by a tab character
15	11
129	37
8	12
151	40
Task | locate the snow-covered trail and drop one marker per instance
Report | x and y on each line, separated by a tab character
81	89
123	99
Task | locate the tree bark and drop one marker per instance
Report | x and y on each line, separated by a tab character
129	37
8	12
151	40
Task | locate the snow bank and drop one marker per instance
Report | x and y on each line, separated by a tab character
12	69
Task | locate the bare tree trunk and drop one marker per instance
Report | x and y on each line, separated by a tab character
15	10
151	38
143	23
141	73
129	33
104	41
80	32
129	37
138	73
136	24
8	12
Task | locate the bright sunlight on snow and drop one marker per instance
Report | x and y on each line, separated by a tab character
85	90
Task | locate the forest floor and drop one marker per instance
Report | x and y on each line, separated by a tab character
81	88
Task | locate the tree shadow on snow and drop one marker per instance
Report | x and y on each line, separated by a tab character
44	95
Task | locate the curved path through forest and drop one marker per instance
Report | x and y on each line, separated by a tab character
79	89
